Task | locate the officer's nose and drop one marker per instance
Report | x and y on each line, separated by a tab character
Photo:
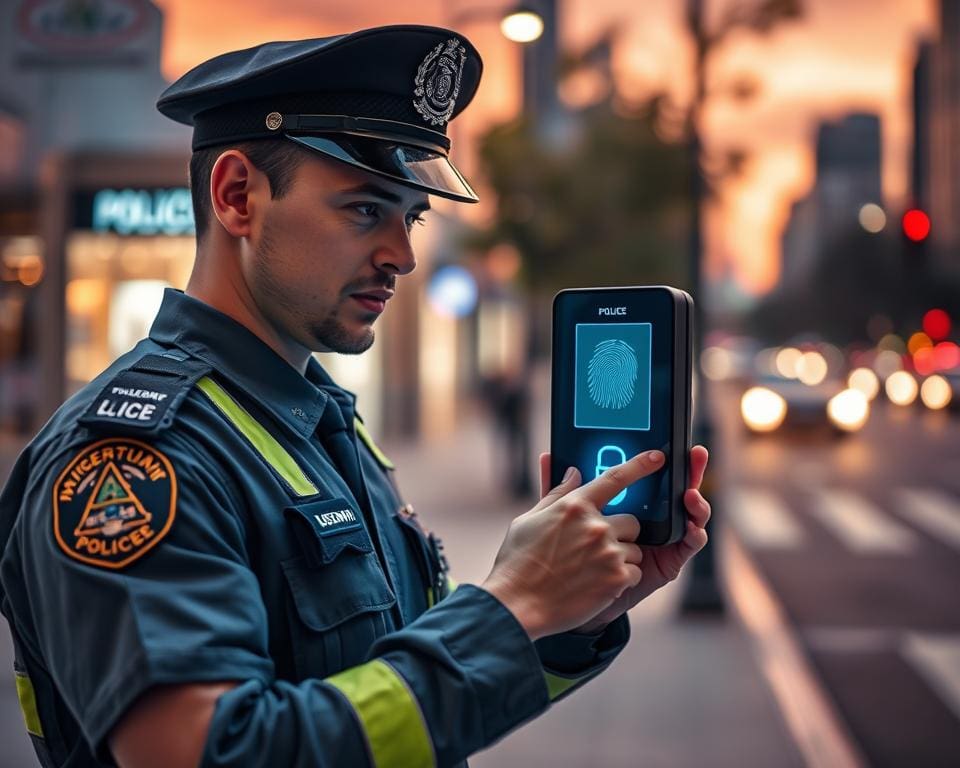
396	254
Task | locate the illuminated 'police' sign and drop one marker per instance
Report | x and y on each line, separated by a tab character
137	211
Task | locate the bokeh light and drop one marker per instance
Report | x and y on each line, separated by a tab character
892	342
812	368
765	363
872	218
924	360
946	355
901	388
786	362
452	291
887	362
919	340
916	225
716	363
936	324
763	410
522	26
866	381
936	393
849	410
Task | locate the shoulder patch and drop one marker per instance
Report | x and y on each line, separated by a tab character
143	399
114	502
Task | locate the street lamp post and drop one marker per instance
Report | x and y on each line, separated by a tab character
702	594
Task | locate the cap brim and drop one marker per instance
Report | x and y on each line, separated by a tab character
414	167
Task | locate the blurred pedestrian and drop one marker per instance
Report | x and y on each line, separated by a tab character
205	555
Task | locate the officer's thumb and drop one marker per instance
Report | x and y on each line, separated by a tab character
570	481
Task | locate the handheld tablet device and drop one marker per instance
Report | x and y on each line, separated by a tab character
621	385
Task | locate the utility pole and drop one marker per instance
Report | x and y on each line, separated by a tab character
702	594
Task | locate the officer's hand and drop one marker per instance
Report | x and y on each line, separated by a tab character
563	562
661	565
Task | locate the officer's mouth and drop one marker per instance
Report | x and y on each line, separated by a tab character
373	301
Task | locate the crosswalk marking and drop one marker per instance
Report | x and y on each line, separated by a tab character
860	525
763	520
934	512
937	659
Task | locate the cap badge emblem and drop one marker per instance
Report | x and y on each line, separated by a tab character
274	121
437	83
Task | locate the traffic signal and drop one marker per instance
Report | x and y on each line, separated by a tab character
916	225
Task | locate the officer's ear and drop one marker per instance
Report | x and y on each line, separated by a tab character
237	190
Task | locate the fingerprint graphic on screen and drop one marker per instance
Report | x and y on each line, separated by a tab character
612	374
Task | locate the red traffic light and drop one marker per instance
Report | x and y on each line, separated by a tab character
936	324
916	225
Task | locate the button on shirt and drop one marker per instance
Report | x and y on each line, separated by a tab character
314	596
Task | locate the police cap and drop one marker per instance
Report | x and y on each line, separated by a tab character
379	99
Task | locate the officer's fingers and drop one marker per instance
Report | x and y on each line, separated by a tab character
570	481
544	474
698	508
698	465
632	553
693	541
601	490
623	527
634	576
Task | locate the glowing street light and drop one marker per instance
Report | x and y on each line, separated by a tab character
522	26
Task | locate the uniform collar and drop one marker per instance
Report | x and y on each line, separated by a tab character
243	359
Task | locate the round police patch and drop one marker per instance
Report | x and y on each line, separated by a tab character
114	502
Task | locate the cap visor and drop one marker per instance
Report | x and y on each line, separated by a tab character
411	166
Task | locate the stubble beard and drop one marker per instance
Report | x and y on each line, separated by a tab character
326	335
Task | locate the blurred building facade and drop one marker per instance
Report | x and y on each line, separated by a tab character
848	174
936	155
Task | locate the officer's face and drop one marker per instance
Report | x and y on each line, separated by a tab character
328	254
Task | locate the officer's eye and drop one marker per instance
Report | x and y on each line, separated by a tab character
371	210
415	218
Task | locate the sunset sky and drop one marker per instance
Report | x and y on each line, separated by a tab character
843	56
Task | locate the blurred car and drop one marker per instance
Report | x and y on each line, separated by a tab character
785	405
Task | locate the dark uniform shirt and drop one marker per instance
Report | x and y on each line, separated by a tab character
204	512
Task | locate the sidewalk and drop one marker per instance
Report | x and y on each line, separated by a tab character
683	693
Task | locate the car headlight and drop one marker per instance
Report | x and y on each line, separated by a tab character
849	410
763	410
901	388
936	393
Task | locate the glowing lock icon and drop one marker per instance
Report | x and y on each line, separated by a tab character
601	467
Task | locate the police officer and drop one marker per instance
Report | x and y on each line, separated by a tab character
205	555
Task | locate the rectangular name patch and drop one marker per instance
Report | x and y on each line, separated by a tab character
336	526
133	400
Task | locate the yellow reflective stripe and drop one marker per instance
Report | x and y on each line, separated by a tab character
557	685
389	713
374	448
264	443
28	704
452	584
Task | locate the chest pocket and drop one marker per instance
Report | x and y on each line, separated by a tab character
339	595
